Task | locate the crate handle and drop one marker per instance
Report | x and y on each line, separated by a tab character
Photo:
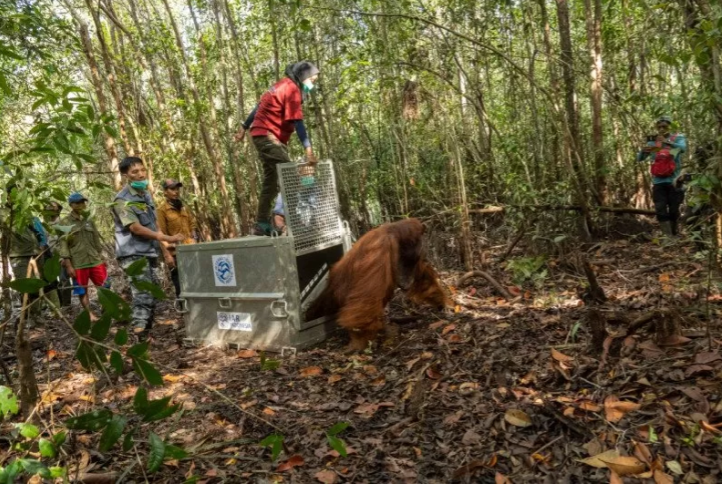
224	302
181	305
279	308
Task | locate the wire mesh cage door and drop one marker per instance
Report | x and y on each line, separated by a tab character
311	206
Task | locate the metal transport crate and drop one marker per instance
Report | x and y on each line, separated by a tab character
252	292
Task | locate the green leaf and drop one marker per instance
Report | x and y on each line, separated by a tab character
268	364
121	337
101	328
110	130
338	428
112	433
27	286
147	371
137	267
275	442
140	401
6	51
166	412
337	444
33	466
85	355
82	323
305	25
8	402
57	472
95	420
113	304
139	350
116	361
47	448
128	441
147	286
173	452
157	451
27	430
4	86
59	439
10	473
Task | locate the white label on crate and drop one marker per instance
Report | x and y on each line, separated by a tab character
235	321
223	270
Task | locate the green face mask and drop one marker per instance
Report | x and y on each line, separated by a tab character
308	86
139	185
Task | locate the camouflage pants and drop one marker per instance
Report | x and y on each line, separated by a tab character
143	303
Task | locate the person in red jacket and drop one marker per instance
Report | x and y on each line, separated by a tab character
278	114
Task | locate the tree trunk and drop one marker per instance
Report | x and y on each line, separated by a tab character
554	84
108	141
110	77
594	43
572	140
228	228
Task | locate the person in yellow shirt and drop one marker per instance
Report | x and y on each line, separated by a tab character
175	218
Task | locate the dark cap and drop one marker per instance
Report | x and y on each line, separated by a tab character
170	183
77	197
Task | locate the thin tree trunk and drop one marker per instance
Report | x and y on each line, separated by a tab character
110	77
108	140
594	42
227	226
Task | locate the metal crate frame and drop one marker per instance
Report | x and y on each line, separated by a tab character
324	228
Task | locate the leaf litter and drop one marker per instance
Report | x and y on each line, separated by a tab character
519	396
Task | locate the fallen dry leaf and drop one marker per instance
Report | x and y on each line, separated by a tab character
172	378
247	354
454	338
500	478
561	357
433	374
468	469
642	452
336	377
448	328
616	409
311	371
614	478
410	364
694	369
625	465
269	411
599	460
664	277
674	340
517	418
589	406
295	461
662	478
675	467
437	325
326	476
707	357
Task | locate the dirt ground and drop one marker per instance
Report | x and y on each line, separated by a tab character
546	387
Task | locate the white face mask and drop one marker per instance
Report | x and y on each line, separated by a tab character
308	85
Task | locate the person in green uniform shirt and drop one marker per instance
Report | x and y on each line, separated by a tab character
81	251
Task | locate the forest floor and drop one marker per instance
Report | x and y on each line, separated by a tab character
494	390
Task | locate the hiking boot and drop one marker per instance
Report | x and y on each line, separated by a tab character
262	229
666	228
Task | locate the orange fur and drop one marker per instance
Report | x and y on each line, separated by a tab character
363	282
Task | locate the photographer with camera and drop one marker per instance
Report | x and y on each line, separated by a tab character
665	152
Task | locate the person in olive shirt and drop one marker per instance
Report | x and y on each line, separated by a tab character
25	246
175	218
81	251
137	237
